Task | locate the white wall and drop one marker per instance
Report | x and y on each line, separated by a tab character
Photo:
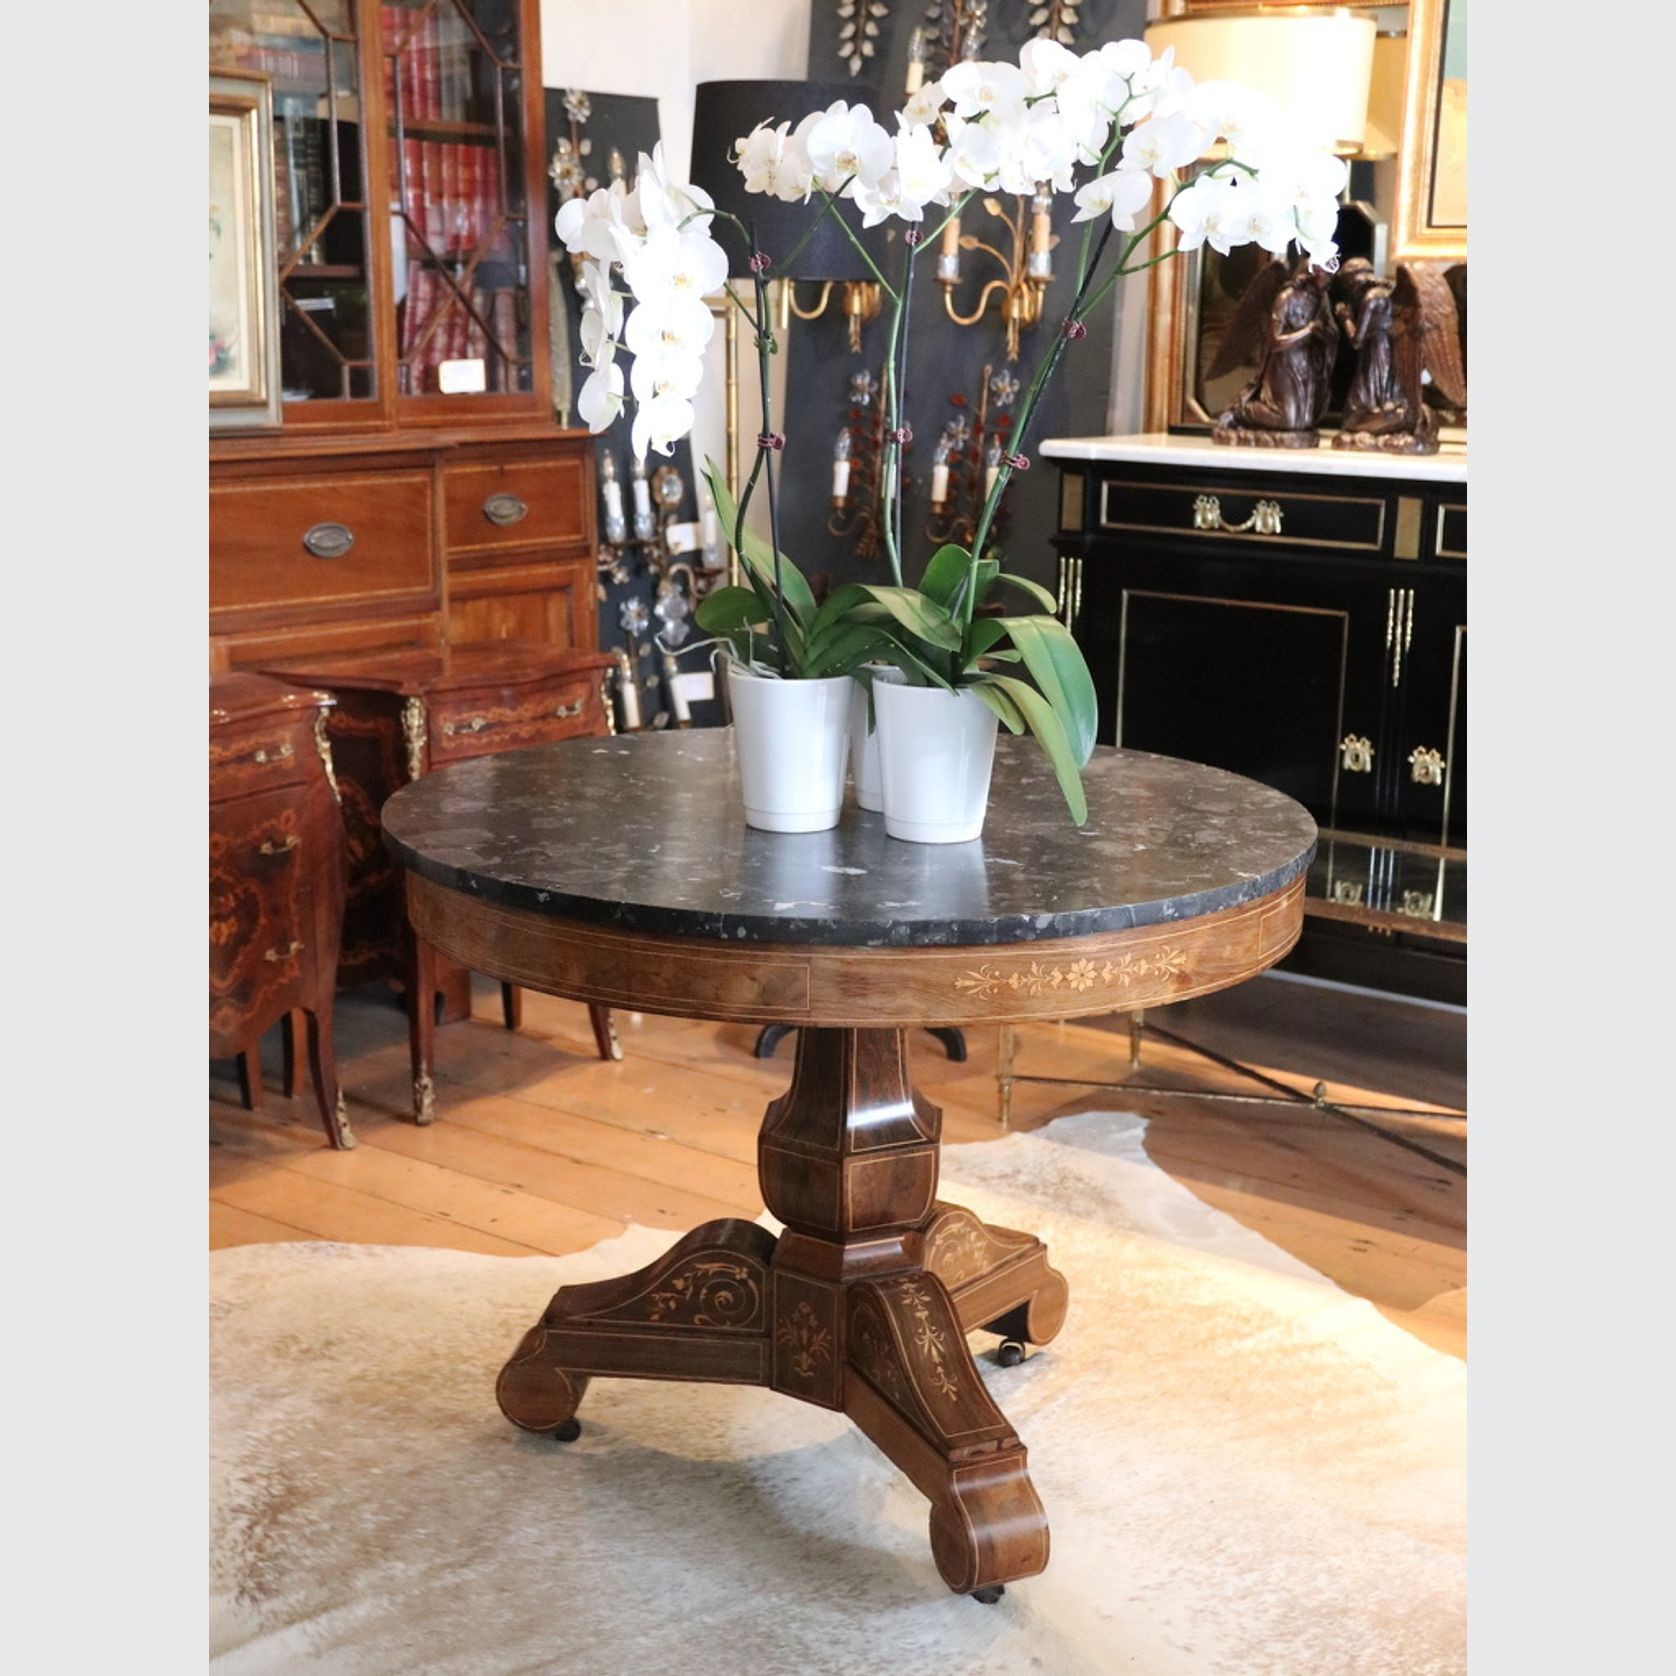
663	49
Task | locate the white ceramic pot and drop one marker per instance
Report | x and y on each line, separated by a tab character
793	739
864	744
936	750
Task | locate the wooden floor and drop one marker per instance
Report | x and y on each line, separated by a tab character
540	1147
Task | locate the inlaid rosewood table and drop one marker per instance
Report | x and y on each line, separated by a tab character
620	872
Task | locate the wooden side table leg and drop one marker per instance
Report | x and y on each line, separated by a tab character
700	1312
421	1024
606	1040
848	1159
292	1035
914	1389
511	1006
999	1278
323	1068
250	1078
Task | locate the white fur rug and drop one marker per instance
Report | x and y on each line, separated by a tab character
1247	1471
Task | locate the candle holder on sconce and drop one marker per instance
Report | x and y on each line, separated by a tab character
967	457
863	299
856	458
1026	269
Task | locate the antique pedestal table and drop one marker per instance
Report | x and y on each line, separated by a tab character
620	872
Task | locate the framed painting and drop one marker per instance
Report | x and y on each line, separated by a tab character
1429	222
243	295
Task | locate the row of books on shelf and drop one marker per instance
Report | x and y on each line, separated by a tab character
299	179
459	334
451	194
434	67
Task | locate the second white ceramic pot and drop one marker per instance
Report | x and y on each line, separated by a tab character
936	751
793	740
864	744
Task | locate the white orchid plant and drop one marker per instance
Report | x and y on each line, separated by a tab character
1118	129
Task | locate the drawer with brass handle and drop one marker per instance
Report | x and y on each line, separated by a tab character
279	846
244	765
524	503
469	726
295	545
1222	511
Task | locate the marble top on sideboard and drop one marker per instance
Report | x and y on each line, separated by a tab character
1157	448
645	833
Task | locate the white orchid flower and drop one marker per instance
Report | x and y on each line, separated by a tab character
1040	148
602	314
923	107
655	377
1212	212
689	261
601	397
984	87
664	199
774	163
675	323
1047	65
845	143
1122	194
884	199
924	174
660	423
975	155
1231	111
1163	144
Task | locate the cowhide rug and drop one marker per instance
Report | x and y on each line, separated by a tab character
1247	1471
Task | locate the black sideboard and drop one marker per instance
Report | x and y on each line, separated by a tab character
1300	619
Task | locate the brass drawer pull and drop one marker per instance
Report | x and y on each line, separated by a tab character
278	753
481	724
505	509
277	955
289	842
1264	519
1426	765
1355	754
329	541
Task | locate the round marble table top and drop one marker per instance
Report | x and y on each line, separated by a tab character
645	833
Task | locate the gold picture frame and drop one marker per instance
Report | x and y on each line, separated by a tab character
243	294
1415	231
1429	221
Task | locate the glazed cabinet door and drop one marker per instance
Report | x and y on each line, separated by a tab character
462	123
1429	751
311	53
1269	671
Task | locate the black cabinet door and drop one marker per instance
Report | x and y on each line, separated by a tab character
1267	668
1429	745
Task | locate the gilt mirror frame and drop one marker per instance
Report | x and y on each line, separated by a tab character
1172	287
1433	114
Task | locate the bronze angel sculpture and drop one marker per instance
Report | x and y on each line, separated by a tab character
1405	332
1284	323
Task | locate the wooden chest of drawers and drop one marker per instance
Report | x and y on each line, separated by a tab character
398	715
276	885
332	545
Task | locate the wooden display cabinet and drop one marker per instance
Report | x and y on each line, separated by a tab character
417	492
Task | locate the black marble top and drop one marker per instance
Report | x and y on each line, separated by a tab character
646	833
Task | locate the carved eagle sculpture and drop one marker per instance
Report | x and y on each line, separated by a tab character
1404	332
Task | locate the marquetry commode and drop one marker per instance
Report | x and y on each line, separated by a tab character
621	873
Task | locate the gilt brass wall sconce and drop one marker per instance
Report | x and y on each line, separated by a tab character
1024	256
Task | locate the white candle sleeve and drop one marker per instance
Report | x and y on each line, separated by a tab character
840	479
613	492
642	498
939	485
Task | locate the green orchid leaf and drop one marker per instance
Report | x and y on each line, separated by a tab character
895	649
946	574
1039	715
730	608
920	616
1056	665
1035	590
844	651
998	701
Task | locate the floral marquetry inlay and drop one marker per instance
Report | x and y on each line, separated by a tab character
804	1339
1077	977
709	1292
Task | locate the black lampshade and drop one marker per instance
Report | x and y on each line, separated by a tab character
725	111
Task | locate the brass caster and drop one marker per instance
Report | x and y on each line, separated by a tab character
424	1100
989	1595
1010	1353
